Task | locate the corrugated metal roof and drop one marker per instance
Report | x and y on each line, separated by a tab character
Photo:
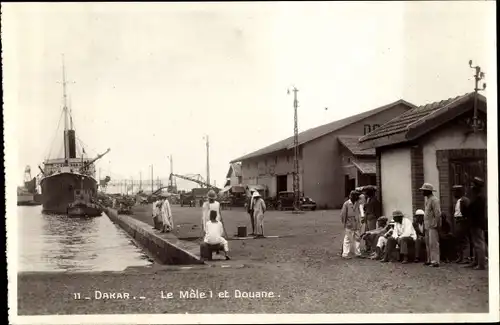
366	167
352	144
402	123
320	131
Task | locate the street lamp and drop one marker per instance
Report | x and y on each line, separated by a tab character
477	77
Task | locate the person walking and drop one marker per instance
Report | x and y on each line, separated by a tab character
462	225
250	210
351	219
432	222
478	223
259	208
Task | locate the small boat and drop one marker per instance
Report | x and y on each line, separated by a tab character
83	206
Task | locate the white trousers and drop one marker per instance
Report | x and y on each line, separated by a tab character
382	241
351	237
220	241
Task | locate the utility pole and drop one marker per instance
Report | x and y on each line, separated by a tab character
296	180
140	181
152	180
171	172
477	77
208	160
132	186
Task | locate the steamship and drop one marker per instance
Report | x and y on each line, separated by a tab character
67	179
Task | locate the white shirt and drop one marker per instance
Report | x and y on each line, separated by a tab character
214	232
458	213
404	229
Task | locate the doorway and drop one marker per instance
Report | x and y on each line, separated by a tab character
349	185
281	183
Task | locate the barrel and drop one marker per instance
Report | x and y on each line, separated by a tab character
242	231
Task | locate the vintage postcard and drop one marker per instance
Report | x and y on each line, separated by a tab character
251	162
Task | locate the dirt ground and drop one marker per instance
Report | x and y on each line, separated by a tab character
302	267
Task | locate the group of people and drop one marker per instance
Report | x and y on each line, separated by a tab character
427	236
162	216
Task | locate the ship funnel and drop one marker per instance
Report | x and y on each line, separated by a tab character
71	143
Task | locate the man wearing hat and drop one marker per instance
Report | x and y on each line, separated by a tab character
250	210
418	225
403	236
350	216
462	227
478	223
210	205
259	208
372	208
432	221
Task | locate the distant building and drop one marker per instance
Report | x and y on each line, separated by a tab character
234	176
432	144
322	175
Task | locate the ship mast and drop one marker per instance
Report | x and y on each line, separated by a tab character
66	115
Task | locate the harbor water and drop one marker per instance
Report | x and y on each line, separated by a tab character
60	243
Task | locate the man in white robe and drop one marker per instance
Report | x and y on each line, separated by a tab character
166	217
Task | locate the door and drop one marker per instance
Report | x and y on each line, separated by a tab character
463	171
281	183
349	185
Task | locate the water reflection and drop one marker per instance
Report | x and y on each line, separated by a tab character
59	243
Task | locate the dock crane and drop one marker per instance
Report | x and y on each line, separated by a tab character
196	179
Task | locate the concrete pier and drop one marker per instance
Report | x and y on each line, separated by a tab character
165	248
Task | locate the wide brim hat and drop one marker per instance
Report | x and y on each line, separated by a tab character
211	194
256	194
427	187
382	218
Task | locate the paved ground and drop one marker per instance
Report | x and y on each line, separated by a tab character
302	268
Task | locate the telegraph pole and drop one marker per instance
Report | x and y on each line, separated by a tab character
477	77
140	181
296	180
171	172
152	180
208	160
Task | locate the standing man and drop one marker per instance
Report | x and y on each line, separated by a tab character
372	208
432	221
250	210
462	226
259	208
478	223
351	219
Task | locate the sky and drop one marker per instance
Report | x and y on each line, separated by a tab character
150	80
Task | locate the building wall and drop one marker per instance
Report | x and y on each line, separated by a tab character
320	166
323	172
395	175
451	137
264	170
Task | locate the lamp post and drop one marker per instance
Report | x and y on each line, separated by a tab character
477	77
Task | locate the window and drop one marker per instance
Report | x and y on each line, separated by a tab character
367	129
375	126
348	160
276	160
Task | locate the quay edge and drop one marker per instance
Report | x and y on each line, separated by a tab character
164	250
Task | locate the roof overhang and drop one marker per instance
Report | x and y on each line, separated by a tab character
367	168
426	124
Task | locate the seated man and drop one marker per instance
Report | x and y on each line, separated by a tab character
403	236
213	234
382	241
418	225
371	237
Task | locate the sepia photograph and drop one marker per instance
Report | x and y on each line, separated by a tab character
251	162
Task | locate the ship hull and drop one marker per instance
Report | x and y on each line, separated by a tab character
58	191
